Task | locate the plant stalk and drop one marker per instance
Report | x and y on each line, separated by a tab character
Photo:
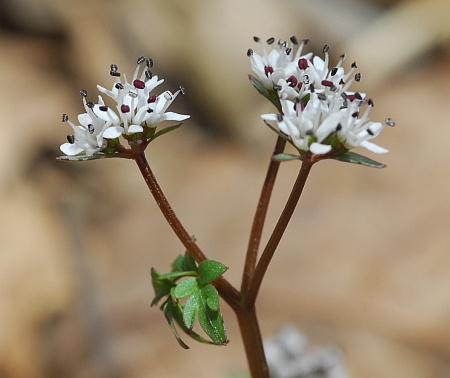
249	297
230	294
251	336
260	217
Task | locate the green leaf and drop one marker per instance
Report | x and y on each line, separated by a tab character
272	95
169	311
161	287
191	308
354	158
93	157
210	270
166	130
185	288
212	296
177	264
211	322
285	157
189	263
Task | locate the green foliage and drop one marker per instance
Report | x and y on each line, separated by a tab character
189	295
354	158
271	95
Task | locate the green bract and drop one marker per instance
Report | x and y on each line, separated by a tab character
190	296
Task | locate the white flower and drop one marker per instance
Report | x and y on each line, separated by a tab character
136	106
88	136
279	63
136	109
315	126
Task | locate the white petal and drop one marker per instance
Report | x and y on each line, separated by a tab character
135	129
113	132
373	147
70	149
171	116
319	149
269	117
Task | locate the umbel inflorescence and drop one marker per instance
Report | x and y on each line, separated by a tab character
318	113
135	113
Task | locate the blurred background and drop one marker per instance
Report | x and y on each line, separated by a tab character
365	262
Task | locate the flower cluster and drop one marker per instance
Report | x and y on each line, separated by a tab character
136	114
319	114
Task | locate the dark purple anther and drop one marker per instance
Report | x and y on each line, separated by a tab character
390	122
327	83
292	80
139	84
302	64
152	99
268	70
124	108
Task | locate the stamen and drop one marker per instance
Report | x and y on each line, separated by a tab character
151	99
355	114
65	117
354	65
270	41
311	88
370	102
327	83
119	86
256	39
339	127
302	64
149	110
280	117
71	139
124	108
90	105
115	74
113	68
249	52
148	74
268	70
294	40
140	60
322	96
149	62
358	77
390	122
139	84
182	90
277	87
326	48
132	94
84	93
288	50
358	96
292	80
91	128
334	71
370	132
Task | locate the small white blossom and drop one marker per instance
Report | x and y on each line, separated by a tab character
279	63
88	136
136	108
314	126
